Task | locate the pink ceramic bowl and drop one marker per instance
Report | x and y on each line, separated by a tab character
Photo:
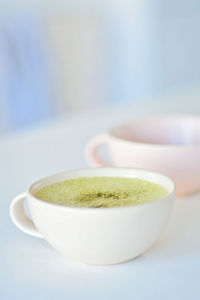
169	145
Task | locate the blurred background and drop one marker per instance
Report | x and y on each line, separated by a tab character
62	57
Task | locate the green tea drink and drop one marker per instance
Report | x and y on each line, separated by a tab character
101	192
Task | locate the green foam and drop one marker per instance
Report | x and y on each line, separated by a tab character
101	192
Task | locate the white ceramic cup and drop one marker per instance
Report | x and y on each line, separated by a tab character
168	144
97	236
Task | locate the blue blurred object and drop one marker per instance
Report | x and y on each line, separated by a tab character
25	75
71	55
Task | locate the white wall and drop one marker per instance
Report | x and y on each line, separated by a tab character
104	52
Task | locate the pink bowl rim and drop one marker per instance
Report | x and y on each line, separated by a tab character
155	119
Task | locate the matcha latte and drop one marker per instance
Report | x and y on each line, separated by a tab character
101	192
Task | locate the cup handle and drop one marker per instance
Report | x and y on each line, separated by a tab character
91	151
19	217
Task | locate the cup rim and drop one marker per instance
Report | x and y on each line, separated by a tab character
102	209
155	118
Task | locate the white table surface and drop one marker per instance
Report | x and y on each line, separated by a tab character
31	269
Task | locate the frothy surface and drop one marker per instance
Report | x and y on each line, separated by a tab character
101	192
